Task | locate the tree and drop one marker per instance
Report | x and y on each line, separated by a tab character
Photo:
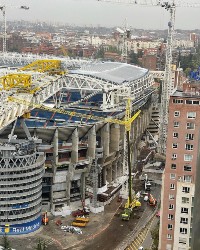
6	243
41	245
100	52
134	58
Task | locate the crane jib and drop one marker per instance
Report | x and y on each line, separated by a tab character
30	105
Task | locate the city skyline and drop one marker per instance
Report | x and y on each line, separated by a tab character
94	13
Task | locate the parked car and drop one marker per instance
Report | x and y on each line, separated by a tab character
158	214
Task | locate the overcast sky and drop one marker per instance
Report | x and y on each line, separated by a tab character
93	13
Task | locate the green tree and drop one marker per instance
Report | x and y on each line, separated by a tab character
100	52
6	243
41	245
134	58
155	237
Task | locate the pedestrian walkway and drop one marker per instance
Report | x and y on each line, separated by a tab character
143	238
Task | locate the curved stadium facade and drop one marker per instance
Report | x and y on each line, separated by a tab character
75	146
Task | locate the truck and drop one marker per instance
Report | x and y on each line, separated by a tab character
80	222
152	201
128	208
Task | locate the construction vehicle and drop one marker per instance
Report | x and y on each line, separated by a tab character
128	208
152	201
80	222
82	219
45	219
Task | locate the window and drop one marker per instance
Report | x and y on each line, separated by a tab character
172	176
190	125
187	168
173	166
176	113
171	196
184	220
176	124
171	207
189	147
191	115
187	178
192	102
183	230
172	186
169	226
174	156
184	210
169	236
185	200
188	157
174	145
186	190
182	240
189	137
175	135
170	216
177	101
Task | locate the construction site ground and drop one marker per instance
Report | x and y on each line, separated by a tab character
105	231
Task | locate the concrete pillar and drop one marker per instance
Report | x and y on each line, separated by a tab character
68	187
83	186
55	147
92	142
74	154
114	138
114	172
105	139
104	176
109	174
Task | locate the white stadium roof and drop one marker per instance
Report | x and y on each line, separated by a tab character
112	71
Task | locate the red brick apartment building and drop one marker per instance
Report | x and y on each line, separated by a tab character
177	201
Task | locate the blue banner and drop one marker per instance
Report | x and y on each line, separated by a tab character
21	228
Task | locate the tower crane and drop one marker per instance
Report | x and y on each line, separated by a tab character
3	9
125	33
167	87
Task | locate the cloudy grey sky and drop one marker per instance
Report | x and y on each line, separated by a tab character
93	13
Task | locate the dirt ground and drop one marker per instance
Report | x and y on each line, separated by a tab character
104	231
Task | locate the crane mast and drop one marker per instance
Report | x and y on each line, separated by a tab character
3	9
167	82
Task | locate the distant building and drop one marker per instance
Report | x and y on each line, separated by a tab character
194	37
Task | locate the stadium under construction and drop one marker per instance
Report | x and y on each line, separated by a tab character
62	134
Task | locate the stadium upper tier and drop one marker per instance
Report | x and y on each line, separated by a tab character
111	82
112	71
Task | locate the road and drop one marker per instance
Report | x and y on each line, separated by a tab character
119	233
148	240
